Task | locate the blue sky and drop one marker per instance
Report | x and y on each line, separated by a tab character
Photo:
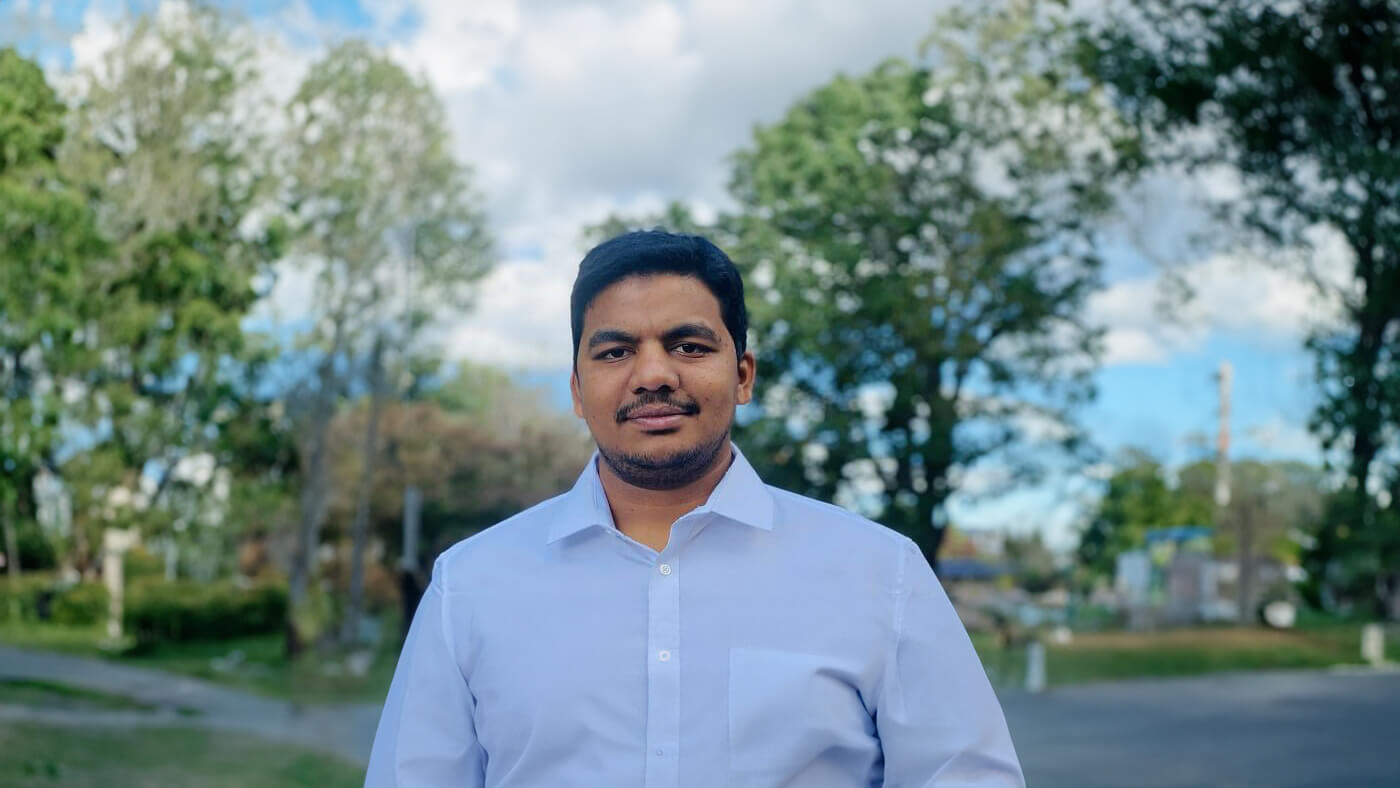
569	111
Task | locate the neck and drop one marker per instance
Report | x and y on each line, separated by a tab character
647	515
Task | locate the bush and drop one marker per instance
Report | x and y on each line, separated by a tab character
82	605
19	601
139	564
186	611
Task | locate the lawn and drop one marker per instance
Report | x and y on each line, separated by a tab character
253	663
36	756
1105	656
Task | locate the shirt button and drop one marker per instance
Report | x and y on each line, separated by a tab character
660	751
664	656
665	569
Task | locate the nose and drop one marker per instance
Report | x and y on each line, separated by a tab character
654	370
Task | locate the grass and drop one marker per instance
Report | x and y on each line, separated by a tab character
261	667
1183	652
36	756
49	695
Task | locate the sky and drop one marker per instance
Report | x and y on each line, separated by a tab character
569	111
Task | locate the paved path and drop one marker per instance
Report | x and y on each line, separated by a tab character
1339	729
346	731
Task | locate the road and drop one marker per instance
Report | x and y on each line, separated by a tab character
1283	730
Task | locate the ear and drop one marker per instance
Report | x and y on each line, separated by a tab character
748	365
576	394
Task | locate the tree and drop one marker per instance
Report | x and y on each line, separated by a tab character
1034	564
1297	98
48	239
1138	496
168	144
919	248
479	447
1271	504
389	222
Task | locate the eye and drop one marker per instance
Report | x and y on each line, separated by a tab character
692	349
612	354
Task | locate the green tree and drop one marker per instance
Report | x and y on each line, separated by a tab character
168	143
47	241
919	248
1272	503
1138	496
388	221
1298	99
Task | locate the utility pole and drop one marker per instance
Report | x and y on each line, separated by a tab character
1244	536
1222	444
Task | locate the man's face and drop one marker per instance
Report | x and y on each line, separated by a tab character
657	379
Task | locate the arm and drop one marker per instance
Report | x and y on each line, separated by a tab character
426	735
938	720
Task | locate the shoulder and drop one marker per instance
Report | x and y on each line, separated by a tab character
514	539
839	530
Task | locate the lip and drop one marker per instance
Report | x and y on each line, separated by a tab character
658	418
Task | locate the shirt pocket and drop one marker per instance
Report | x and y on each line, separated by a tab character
789	709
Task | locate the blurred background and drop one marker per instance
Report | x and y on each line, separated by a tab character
1099	302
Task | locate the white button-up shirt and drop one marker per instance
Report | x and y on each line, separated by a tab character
776	641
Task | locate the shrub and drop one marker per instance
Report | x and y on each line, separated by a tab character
186	611
138	564
19	597
84	604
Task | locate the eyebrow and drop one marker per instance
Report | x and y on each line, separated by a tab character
682	331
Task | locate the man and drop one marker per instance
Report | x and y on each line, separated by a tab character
671	620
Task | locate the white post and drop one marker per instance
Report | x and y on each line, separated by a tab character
1035	666
115	543
1373	644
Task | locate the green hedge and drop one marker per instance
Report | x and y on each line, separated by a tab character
85	604
185	611
39	596
19	601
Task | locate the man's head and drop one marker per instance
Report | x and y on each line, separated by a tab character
660	358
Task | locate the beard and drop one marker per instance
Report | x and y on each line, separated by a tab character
667	471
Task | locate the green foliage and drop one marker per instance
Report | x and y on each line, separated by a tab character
169	144
387	221
19	596
47	243
1298	98
84	604
1278	499
1139	496
188	611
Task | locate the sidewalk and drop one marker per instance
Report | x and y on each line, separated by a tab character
344	731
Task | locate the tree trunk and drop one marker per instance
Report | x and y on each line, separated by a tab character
355	601
315	492
9	523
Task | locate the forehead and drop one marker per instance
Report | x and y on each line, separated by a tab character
654	301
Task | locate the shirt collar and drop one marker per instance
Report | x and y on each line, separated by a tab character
740	496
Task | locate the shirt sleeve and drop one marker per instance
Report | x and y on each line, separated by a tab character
938	720
427	735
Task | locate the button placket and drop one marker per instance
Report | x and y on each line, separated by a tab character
663	675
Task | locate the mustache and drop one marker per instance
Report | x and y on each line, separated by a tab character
689	408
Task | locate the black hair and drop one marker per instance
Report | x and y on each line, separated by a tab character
650	252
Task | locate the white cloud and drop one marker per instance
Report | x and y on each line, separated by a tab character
571	111
1279	436
1263	302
